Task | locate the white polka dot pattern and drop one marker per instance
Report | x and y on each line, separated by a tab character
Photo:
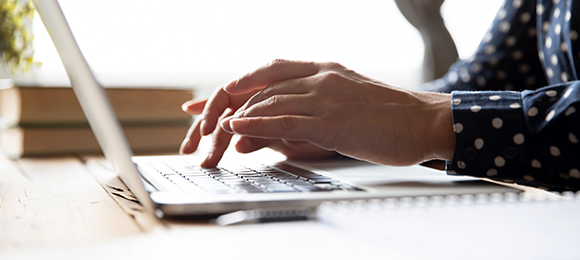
491	115
519	139
508	125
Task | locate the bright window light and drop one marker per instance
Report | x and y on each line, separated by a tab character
205	43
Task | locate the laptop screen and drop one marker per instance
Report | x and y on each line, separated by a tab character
93	100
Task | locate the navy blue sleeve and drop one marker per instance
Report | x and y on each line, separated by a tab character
528	137
508	126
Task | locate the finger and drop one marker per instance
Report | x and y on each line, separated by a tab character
193	107
214	108
292	128
191	141
248	144
275	71
300	150
225	124
279	105
299	105
289	87
221	140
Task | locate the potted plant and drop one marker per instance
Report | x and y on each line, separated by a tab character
16	52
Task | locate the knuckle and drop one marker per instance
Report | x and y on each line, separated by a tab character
267	91
271	101
287	123
334	66
276	63
331	77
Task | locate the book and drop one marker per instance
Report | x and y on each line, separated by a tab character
33	105
39	141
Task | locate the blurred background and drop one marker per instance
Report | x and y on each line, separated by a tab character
203	44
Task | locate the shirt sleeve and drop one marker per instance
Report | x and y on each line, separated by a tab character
528	137
506	59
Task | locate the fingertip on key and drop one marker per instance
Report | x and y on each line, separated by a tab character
208	162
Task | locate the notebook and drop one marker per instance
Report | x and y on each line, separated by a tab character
494	226
177	186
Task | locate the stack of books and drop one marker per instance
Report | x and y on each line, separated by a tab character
48	120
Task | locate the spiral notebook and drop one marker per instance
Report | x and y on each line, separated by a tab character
496	226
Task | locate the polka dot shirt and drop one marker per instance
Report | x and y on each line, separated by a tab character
515	101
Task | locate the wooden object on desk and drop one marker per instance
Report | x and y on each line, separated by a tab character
46	202
37	119
35	141
57	105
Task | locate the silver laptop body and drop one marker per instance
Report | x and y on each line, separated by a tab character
153	179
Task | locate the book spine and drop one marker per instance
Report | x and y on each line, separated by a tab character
58	106
19	142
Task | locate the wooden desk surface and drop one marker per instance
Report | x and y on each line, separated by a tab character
76	206
73	204
56	201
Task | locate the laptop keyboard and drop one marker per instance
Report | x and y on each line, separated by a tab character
232	178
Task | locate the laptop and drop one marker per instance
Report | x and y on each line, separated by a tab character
176	186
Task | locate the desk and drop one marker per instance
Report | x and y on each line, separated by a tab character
75	207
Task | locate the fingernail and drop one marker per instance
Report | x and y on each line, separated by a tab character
239	124
230	84
225	125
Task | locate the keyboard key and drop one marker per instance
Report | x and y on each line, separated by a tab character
328	186
199	179
249	188
279	174
281	189
253	174
297	182
321	180
233	178
235	181
221	191
193	174
309	188
296	171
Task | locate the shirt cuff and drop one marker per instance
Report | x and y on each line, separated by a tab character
490	130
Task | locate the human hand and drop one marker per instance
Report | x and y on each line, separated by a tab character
222	104
339	110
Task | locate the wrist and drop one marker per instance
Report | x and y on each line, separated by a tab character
438	131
